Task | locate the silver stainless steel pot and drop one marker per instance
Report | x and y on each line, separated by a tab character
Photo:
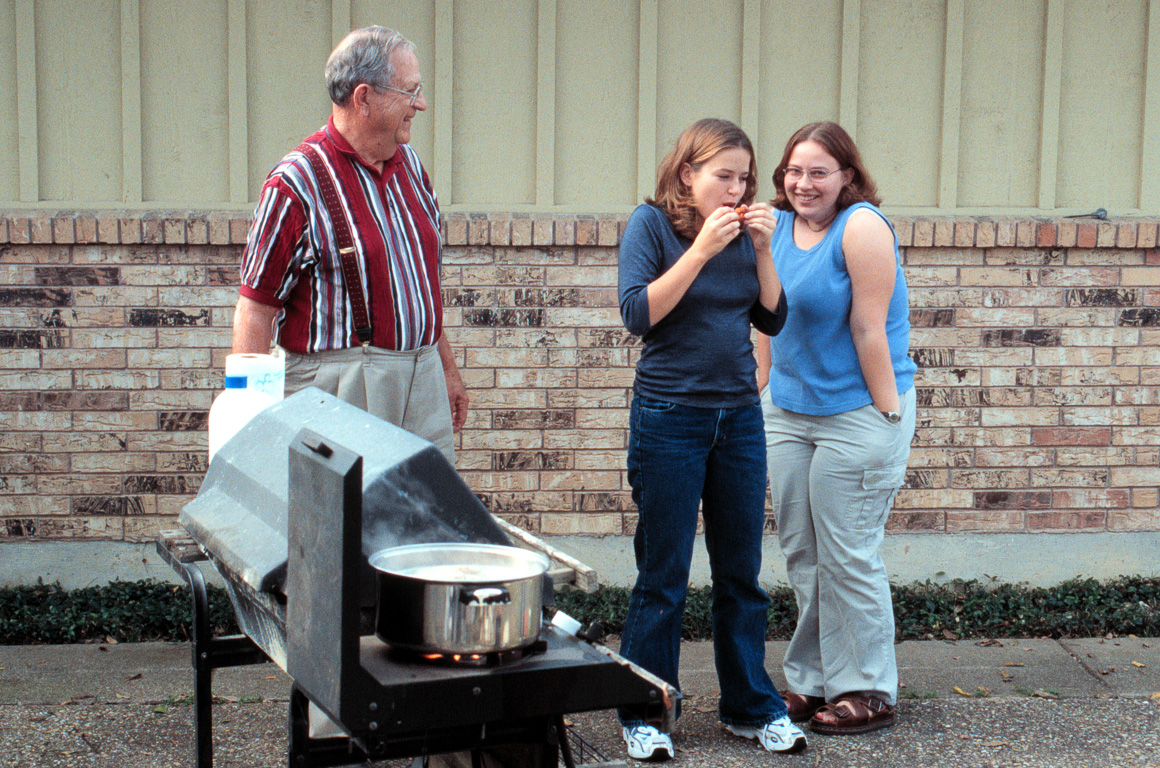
459	598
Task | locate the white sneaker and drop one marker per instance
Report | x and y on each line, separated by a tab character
779	736
647	743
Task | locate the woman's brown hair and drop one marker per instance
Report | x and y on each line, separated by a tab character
695	146
834	139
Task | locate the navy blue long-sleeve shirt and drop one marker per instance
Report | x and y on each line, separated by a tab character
700	353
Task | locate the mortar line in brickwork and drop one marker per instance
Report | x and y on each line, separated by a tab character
556	229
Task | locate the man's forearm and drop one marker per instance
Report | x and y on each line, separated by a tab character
450	368
253	326
456	390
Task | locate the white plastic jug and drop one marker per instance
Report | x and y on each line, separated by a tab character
232	409
265	373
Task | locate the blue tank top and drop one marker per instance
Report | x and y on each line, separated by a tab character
815	365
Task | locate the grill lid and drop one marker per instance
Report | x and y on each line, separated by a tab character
411	494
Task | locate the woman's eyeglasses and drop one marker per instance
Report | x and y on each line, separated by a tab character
793	173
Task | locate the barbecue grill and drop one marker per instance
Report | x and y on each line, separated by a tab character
290	511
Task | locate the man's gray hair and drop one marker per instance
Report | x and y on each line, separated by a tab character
363	56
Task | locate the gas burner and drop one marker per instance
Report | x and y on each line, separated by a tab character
492	659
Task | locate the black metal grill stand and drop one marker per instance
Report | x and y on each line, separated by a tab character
542	740
295	529
209	652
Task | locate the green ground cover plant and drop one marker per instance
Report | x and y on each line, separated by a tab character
121	611
135	611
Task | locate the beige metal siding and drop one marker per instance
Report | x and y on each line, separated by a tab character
494	97
1101	103
960	106
801	64
79	107
1000	123
900	104
596	73
287	46
698	66
185	101
9	102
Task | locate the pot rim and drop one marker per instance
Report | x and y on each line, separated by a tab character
535	563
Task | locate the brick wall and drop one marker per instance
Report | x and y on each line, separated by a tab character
1037	342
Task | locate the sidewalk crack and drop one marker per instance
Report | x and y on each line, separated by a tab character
1087	667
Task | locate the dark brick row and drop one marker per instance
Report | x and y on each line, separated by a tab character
48	339
1012	500
932	358
64	401
932	318
550	419
183	421
504	318
108	506
168	484
35	297
1101	297
530	460
1027	337
77	275
168	318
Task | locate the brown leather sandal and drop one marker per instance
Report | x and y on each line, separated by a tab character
852	713
802	707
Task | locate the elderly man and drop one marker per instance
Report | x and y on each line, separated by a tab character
341	265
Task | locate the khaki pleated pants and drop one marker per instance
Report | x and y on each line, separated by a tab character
407	389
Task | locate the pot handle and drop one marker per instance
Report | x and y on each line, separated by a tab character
495	594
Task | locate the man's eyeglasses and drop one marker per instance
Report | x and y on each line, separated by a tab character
415	94
793	173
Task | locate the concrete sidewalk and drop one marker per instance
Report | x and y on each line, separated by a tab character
1076	703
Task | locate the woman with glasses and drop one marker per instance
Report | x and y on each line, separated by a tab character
839	418
694	274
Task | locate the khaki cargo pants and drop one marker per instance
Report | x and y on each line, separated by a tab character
834	479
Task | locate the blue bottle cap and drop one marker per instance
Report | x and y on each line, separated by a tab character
235	382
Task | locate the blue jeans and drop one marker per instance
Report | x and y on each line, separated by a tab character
680	457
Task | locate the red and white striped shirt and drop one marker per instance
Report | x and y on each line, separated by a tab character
291	260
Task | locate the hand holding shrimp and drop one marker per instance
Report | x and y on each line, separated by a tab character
720	228
760	222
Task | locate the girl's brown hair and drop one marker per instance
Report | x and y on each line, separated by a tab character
834	139
695	146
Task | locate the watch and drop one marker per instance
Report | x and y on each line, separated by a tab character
892	416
